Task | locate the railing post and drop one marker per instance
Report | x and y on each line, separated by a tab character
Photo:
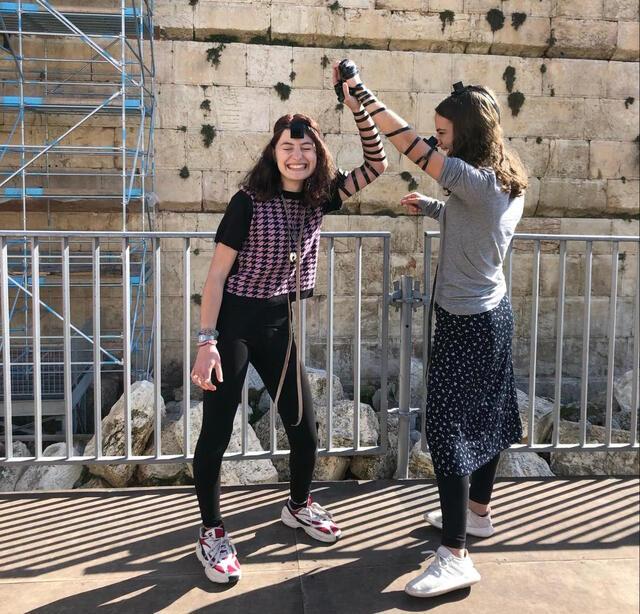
406	299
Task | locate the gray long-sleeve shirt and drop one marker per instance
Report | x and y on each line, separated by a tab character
477	223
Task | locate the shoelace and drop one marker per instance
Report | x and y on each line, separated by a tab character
439	559
219	547
318	511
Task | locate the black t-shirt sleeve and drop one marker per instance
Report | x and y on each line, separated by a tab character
334	203
234	226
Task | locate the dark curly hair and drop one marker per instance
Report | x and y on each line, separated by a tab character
264	178
478	138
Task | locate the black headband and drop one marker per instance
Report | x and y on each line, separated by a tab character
459	88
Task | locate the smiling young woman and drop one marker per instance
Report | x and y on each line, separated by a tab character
265	260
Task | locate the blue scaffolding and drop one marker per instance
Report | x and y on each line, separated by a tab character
78	111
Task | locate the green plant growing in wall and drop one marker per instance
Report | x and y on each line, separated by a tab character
205	105
509	77
515	101
334	7
517	19
324	61
184	172
495	17
629	101
208	133
197	298
412	184
284	90
292	76
215	53
446	17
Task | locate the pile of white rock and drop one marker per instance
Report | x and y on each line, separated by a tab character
334	467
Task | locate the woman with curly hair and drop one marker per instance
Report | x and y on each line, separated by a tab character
265	260
471	413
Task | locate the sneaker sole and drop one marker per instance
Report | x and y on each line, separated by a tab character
292	523
416	593
488	532
216	576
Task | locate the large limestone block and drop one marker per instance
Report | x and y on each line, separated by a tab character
583	38
530	39
569	159
579	9
621	9
528	78
613	160
611	120
193	67
614	462
627	44
541	116
231	19
371	27
174	20
10	474
178	193
522	465
622	80
113	429
51	477
622	197
572	78
572	197
306	25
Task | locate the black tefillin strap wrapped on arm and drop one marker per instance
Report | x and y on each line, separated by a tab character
372	148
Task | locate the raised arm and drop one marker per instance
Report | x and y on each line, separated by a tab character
402	136
375	160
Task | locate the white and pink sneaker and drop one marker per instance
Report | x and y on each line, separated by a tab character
218	555
314	519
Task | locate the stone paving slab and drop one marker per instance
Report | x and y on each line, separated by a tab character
561	545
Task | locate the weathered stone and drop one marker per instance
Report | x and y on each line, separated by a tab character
627	44
530	39
93	482
583	38
113	433
381	466
522	465
613	160
623	390
543	417
175	192
51	477
613	462
10	474
572	197
622	197
420	463
569	159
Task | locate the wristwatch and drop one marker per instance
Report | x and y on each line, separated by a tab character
208	335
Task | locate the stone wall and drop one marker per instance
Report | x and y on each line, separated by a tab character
566	74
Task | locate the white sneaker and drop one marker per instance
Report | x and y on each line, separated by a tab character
314	519
218	556
478	526
445	573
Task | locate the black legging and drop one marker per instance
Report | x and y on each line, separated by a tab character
256	333
455	492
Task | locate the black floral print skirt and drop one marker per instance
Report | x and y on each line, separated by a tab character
472	407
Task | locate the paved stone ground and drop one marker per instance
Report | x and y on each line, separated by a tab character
561	546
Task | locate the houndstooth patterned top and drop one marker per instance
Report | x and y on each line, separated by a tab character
258	230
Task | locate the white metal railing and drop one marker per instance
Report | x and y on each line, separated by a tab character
563	242
92	243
